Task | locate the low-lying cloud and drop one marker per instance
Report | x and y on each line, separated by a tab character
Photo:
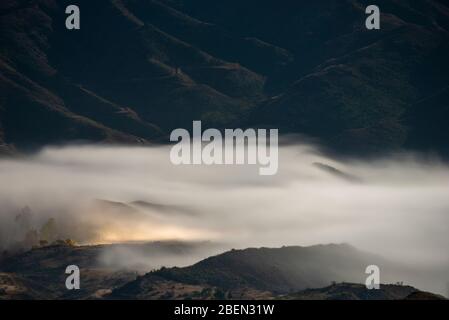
397	207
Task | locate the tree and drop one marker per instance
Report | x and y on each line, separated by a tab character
23	220
70	242
48	231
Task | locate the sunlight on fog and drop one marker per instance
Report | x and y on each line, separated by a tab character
395	207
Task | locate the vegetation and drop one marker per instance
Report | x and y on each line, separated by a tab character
169	63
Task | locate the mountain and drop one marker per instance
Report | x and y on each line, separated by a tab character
110	81
138	69
359	87
39	273
283	273
276	270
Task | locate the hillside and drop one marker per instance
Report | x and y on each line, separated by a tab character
138	69
351	291
40	273
277	270
284	273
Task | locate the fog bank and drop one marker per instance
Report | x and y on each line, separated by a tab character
397	207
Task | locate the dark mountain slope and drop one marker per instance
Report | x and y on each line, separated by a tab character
349	291
430	128
346	85
284	273
161	77
138	69
281	270
117	71
36	104
32	116
39	273
253	53
360	98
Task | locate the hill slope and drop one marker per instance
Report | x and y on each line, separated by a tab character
138	69
284	273
268	273
350	291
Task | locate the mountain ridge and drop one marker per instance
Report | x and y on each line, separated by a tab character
138	69
315	272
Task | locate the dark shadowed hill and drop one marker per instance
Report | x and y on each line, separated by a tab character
40	273
284	273
350	291
138	69
278	270
263	273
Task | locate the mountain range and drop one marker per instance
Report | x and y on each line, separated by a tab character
323	272
139	68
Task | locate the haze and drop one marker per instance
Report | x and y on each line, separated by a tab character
396	207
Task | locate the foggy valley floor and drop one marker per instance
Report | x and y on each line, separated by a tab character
394	207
